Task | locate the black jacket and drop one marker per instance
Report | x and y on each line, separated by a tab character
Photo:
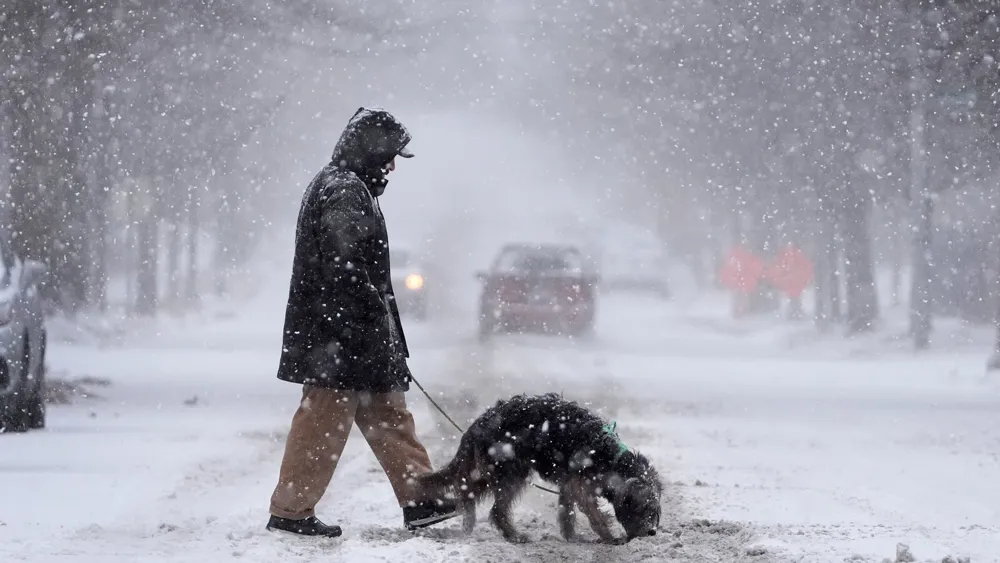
342	328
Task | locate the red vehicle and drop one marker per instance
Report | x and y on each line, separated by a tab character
540	288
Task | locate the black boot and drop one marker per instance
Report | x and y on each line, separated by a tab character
427	513
310	526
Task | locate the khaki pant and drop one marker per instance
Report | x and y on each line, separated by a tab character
320	429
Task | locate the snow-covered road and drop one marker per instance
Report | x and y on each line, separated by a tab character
803	460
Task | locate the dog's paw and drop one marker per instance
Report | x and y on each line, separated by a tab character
615	541
518	538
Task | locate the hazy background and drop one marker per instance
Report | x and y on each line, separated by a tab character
154	145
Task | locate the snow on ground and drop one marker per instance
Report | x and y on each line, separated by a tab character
801	457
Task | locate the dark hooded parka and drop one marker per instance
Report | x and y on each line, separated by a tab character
342	327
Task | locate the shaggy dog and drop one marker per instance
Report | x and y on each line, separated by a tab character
565	444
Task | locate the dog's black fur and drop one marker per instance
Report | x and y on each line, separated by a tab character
565	444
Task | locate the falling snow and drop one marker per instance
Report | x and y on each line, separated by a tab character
733	224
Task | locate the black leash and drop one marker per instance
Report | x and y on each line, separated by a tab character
459	428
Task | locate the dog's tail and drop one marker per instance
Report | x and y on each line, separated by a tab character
455	472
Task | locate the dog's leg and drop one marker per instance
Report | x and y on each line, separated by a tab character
468	507
472	494
506	495
567	511
599	521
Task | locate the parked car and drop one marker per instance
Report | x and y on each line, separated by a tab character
22	342
409	282
638	266
540	288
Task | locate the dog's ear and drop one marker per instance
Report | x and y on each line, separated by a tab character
631	486
651	476
618	488
649	473
614	485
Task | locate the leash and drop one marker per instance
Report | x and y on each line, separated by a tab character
459	428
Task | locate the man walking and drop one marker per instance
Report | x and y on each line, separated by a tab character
343	339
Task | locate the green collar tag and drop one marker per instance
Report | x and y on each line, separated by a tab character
611	430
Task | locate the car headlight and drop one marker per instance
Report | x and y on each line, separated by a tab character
414	281
6	312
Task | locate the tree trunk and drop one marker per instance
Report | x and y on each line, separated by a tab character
921	314
51	95
758	237
993	363
897	276
31	144
825	259
104	151
193	231
836	268
821	290
99	285
32	235
76	229
220	263
920	290
32	213
131	251
897	248
717	257
861	290
222	259
174	274
146	299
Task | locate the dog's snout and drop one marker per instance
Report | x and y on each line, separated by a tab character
652	532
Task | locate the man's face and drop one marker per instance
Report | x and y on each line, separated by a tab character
391	166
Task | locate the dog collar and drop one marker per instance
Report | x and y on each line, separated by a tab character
611	429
